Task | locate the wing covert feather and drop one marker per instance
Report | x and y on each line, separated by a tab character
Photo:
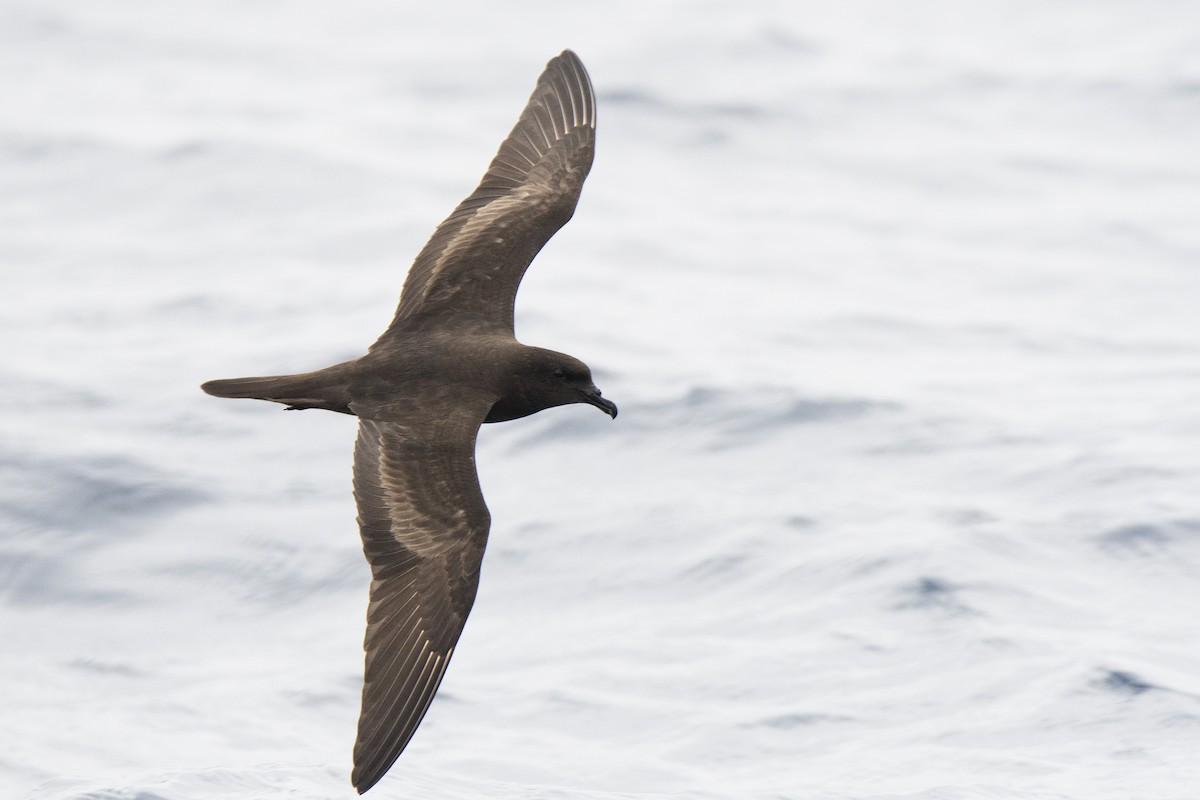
468	273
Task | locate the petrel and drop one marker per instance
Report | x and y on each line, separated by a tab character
448	362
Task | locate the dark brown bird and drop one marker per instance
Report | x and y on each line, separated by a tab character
448	362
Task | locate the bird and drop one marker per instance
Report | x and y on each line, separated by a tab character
448	362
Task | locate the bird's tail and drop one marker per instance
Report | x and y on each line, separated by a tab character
325	388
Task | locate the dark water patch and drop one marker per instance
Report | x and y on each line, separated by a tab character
1124	683
1188	89
799	412
800	720
31	23
1140	539
933	594
24	572
800	522
775	37
97	667
724	565
56	510
38	148
1180	719
235	162
184	307
49	578
187	150
570	702
1115	476
760	412
309	699
692	125
99	495
1148	539
1145	241
968	517
274	580
636	98
864	567
29	393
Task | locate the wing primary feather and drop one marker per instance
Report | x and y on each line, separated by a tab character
562	109
573	97
536	147
403	725
586	100
379	739
399	685
401	693
537	119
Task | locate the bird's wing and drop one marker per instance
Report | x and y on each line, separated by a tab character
424	525
468	273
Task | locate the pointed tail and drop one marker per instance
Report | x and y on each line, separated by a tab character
325	388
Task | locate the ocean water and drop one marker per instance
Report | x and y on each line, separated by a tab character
900	303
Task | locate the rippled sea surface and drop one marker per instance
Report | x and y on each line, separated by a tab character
900	303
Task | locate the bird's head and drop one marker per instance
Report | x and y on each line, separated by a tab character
542	379
568	380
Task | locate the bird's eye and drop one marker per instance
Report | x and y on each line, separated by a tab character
558	373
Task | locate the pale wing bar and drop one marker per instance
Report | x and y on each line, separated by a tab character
475	259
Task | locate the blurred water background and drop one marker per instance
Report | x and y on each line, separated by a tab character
900	303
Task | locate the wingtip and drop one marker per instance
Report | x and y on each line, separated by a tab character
578	85
571	57
362	782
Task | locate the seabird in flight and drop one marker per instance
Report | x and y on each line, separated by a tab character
448	363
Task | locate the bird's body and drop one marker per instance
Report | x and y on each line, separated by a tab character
489	368
448	363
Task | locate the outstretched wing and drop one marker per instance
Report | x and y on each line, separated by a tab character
467	276
424	525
